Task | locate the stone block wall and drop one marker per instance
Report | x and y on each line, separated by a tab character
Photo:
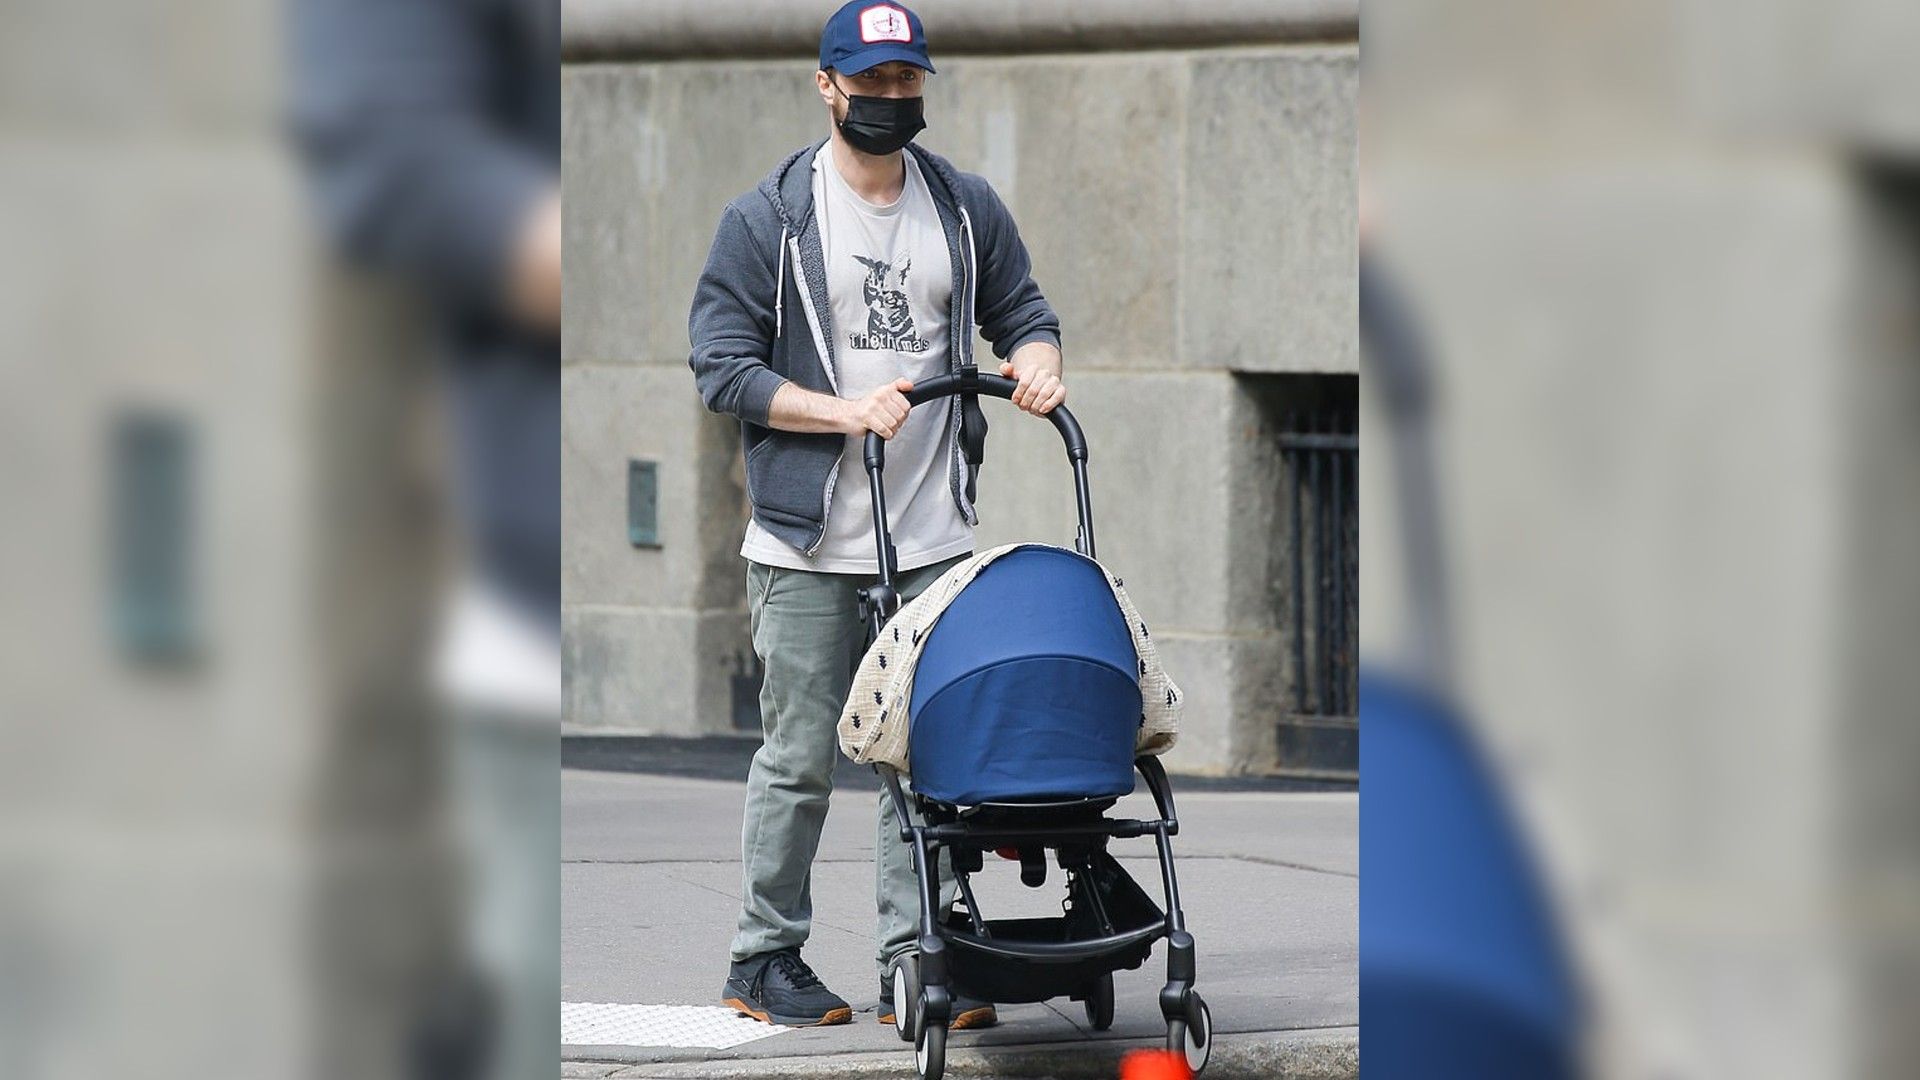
1190	213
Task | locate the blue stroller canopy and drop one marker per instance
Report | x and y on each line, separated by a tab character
1462	971
1028	687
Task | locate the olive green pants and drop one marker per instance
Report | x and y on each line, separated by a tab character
807	631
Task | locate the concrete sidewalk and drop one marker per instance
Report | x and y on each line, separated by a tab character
650	891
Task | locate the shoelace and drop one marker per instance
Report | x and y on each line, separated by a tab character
795	969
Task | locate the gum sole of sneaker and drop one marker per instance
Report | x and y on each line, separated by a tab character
836	1016
972	1018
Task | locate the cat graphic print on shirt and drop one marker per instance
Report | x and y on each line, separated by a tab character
889	319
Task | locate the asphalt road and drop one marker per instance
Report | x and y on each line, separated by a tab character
650	891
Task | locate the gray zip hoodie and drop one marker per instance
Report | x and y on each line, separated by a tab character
761	318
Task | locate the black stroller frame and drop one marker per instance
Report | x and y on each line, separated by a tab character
1109	922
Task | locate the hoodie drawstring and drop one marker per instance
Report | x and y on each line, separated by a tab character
973	269
780	287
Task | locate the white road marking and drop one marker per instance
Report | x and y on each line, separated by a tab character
589	1023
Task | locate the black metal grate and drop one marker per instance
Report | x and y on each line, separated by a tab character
1320	450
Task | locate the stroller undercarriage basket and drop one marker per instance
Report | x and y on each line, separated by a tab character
996	958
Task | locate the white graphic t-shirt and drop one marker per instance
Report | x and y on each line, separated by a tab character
890	285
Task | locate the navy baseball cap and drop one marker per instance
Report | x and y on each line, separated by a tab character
865	33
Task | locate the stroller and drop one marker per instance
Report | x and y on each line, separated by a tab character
1023	726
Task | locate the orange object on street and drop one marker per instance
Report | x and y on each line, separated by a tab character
1154	1065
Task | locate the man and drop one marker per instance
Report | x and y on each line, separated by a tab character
860	266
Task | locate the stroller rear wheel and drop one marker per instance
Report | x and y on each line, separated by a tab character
1193	1035
930	1051
1099	1003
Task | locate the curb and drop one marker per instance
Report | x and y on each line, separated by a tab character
1313	1054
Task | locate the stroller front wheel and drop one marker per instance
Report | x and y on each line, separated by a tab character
930	1051
1193	1035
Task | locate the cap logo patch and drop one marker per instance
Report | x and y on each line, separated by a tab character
884	22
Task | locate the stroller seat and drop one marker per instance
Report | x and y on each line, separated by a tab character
1038	808
1027	692
1025	815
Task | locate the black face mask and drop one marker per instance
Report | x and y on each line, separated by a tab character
879	125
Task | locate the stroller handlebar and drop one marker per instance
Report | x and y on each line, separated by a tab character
999	386
878	602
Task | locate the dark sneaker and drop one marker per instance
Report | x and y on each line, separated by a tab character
968	1011
779	988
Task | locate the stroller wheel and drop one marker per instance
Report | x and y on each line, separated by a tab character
1100	1003
930	1051
1193	1035
906	995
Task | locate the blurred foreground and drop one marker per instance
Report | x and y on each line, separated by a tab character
278	721
1666	261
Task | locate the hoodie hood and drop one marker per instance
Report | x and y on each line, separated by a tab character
789	187
789	190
